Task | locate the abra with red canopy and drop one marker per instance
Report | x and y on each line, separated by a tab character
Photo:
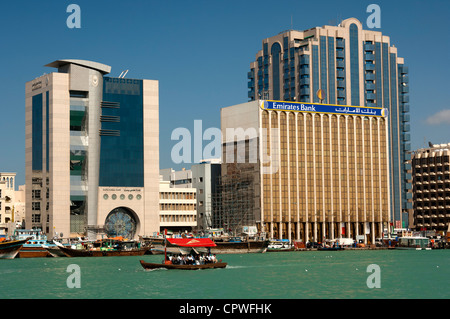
191	242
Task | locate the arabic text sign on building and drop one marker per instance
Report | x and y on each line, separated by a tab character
323	108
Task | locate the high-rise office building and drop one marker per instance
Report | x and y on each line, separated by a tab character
314	171
351	66
92	152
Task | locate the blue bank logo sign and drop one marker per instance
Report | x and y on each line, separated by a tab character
323	108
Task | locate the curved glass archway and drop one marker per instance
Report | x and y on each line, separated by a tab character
121	221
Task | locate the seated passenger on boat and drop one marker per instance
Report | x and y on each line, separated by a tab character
192	259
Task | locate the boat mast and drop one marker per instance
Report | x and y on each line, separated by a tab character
165	246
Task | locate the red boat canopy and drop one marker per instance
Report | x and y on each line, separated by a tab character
192	242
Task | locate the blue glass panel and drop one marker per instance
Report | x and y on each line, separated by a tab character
47	130
36	138
323	67
386	102
315	65
354	64
121	157
276	51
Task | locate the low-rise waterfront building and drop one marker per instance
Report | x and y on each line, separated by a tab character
12	204
7	198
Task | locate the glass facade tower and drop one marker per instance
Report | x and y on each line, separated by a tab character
92	148
351	66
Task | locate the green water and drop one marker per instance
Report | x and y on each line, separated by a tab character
283	275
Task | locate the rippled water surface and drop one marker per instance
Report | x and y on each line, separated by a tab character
287	275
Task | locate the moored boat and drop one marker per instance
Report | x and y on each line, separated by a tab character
238	246
33	246
276	245
414	243
54	251
105	248
10	248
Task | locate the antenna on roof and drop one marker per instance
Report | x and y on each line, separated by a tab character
122	75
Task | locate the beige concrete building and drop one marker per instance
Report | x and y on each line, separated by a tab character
12	204
7	200
177	207
318	171
431	188
89	140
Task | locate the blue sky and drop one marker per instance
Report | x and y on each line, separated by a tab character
200	52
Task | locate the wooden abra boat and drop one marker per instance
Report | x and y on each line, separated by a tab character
9	249
192	244
183	267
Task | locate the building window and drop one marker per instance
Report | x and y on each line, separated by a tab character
36	218
36	206
36	194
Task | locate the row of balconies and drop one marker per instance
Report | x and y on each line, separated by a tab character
431	225
433	173
432	199
425	165
427	215
433	207
432	182
422	193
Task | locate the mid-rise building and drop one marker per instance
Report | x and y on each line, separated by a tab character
177	208
305	171
204	178
92	152
350	66
431	188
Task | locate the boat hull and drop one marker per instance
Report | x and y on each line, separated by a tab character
69	252
33	252
240	247
9	249
55	252
149	266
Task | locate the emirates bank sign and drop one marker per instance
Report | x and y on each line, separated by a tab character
323	108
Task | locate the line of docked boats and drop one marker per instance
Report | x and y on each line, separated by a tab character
34	243
26	243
